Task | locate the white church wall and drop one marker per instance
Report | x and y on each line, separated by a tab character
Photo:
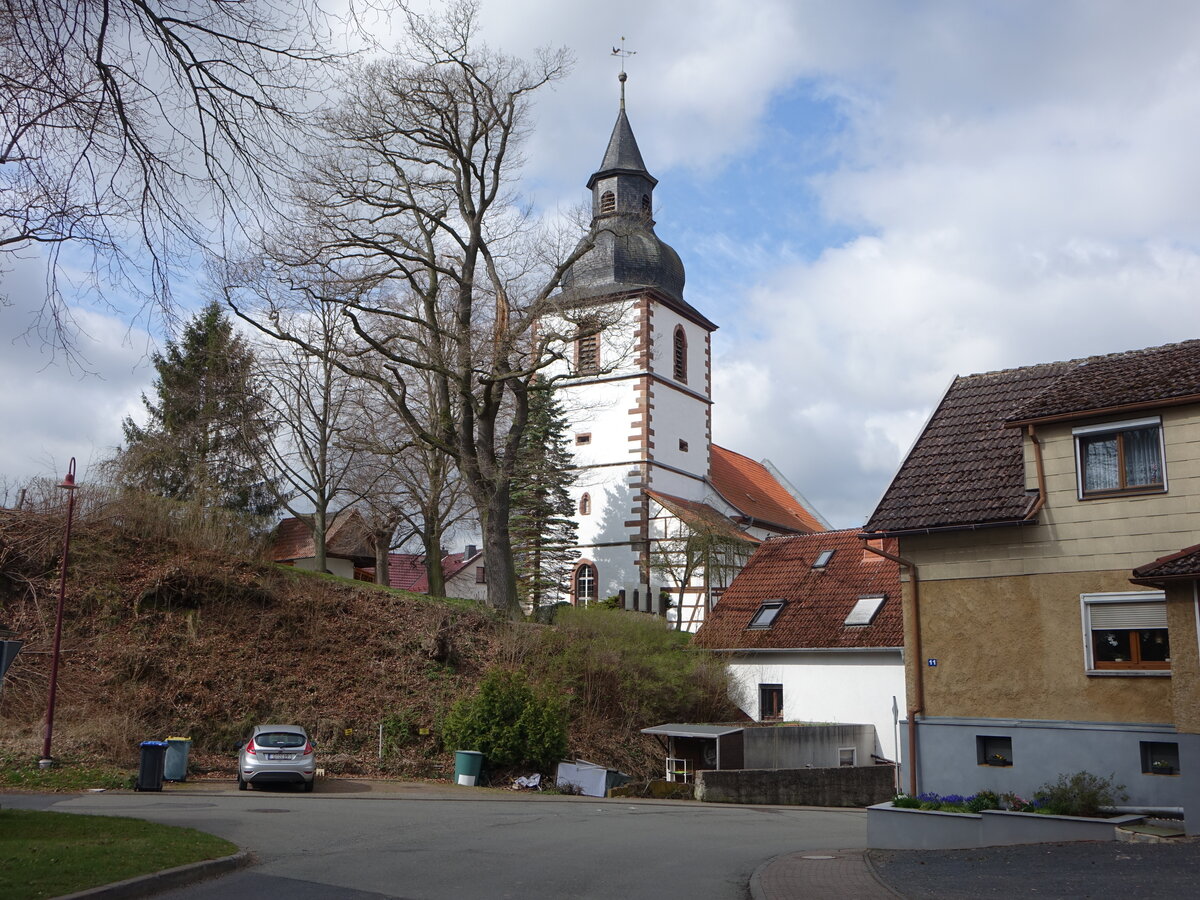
835	687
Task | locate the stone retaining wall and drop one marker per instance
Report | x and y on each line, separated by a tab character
842	786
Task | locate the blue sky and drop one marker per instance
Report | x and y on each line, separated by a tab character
869	198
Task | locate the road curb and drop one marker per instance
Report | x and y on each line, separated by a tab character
157	882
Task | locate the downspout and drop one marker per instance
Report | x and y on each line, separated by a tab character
918	705
1041	474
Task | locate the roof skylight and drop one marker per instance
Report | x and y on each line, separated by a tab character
766	615
823	559
865	609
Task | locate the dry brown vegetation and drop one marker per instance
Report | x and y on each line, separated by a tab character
175	626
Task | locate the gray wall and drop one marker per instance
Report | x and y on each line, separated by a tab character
947	762
843	786
800	746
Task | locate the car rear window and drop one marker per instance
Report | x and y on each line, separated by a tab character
279	739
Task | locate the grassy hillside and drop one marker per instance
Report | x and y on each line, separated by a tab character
175	626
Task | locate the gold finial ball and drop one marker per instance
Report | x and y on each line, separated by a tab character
622	77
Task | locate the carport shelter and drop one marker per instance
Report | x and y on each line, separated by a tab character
702	746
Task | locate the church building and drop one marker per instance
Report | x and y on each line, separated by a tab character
666	518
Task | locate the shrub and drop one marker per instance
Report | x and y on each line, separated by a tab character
509	723
983	800
905	802
1081	794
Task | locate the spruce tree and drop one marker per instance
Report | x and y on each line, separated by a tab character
199	442
542	525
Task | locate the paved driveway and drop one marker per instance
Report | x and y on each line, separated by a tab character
461	843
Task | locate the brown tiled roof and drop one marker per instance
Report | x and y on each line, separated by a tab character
701	516
750	488
406	571
1137	379
967	467
818	600
346	537
1183	565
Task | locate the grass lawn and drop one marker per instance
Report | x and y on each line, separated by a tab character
47	854
65	777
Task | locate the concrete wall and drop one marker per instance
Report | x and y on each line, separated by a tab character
857	786
890	828
834	687
800	746
948	760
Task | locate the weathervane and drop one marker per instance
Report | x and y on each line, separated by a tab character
623	54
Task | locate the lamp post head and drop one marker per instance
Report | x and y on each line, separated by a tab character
68	483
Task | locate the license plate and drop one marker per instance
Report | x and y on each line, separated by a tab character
280	756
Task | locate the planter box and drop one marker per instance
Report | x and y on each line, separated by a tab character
893	828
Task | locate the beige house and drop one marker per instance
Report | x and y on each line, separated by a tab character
1033	648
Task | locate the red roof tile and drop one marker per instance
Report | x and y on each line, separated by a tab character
346	537
750	488
818	600
406	571
701	516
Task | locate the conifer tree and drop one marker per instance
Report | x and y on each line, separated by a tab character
543	530
199	442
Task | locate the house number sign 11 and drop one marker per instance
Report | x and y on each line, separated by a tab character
931	662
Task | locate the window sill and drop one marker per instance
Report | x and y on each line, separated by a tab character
1131	492
1129	673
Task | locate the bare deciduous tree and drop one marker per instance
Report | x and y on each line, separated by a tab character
120	119
412	204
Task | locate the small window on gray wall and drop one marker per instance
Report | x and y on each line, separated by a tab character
993	750
1159	757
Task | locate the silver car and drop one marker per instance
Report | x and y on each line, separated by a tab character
277	754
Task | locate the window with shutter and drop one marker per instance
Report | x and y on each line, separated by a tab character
1127	632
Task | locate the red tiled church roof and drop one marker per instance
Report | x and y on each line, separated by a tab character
750	488
817	600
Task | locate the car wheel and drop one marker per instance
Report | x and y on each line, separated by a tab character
242	785
308	787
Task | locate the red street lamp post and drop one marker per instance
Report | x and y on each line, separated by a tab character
68	484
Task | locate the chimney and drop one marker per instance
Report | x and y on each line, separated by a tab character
470	552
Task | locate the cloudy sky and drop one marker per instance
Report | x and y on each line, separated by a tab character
869	198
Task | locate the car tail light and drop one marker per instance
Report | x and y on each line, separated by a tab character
251	749
308	748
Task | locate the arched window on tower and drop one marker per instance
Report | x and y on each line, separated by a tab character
646	204
608	202
585	505
585	584
680	354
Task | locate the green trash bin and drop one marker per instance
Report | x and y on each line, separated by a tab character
175	765
467	766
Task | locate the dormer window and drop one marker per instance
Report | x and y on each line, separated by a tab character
680	345
1120	458
608	202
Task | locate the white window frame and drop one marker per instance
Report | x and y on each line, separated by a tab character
1088	601
1113	428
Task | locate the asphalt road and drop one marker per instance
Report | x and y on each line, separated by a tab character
461	843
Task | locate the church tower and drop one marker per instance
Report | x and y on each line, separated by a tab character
637	386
